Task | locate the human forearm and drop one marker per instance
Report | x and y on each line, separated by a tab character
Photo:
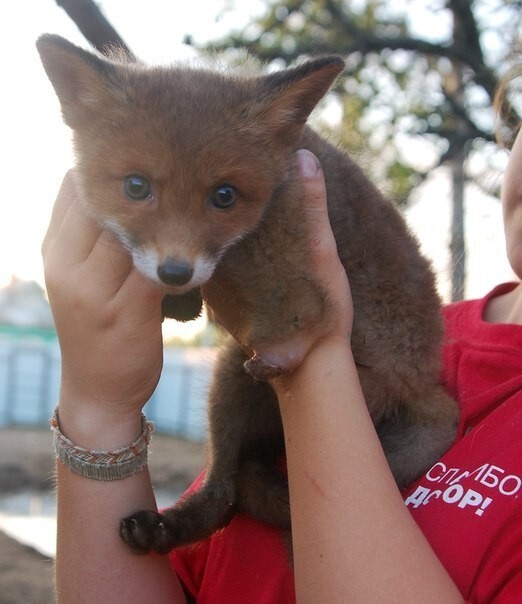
92	563
353	538
108	320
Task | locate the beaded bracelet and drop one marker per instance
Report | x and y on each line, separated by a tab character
103	465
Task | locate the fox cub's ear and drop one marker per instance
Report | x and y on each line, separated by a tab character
79	77
291	95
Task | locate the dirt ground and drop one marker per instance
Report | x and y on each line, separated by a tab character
26	462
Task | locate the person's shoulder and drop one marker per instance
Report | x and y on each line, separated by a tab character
461	316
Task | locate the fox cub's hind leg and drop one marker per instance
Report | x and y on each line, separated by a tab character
245	442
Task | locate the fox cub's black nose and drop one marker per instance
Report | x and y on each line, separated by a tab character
175	273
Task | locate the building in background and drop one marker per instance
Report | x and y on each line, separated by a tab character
30	368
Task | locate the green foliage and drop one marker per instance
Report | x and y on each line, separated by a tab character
415	71
404	80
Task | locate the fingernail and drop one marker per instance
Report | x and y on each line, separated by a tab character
307	163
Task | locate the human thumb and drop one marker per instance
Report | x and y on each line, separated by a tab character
314	200
324	258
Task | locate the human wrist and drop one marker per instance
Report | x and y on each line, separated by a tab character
102	464
320	361
99	426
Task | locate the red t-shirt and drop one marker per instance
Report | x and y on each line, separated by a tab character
468	504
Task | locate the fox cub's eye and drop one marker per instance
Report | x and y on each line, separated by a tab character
137	187
224	197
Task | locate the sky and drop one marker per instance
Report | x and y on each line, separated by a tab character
36	145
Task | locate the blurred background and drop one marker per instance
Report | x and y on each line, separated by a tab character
414	107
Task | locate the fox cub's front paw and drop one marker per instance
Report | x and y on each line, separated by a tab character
146	531
260	370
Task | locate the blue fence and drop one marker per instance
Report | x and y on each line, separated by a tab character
30	380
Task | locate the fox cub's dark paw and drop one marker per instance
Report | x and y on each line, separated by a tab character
146	531
260	370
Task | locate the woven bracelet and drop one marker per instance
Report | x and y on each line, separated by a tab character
103	465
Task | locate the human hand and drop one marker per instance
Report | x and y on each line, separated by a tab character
326	268
107	315
323	267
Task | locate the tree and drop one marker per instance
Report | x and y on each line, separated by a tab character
400	84
94	26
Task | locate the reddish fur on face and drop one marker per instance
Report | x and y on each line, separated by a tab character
187	132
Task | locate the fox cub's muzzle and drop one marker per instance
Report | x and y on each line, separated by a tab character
175	273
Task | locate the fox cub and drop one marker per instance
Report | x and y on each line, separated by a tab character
193	170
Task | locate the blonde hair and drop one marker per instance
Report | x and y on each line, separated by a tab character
508	119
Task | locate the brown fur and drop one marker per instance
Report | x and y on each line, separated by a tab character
189	131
